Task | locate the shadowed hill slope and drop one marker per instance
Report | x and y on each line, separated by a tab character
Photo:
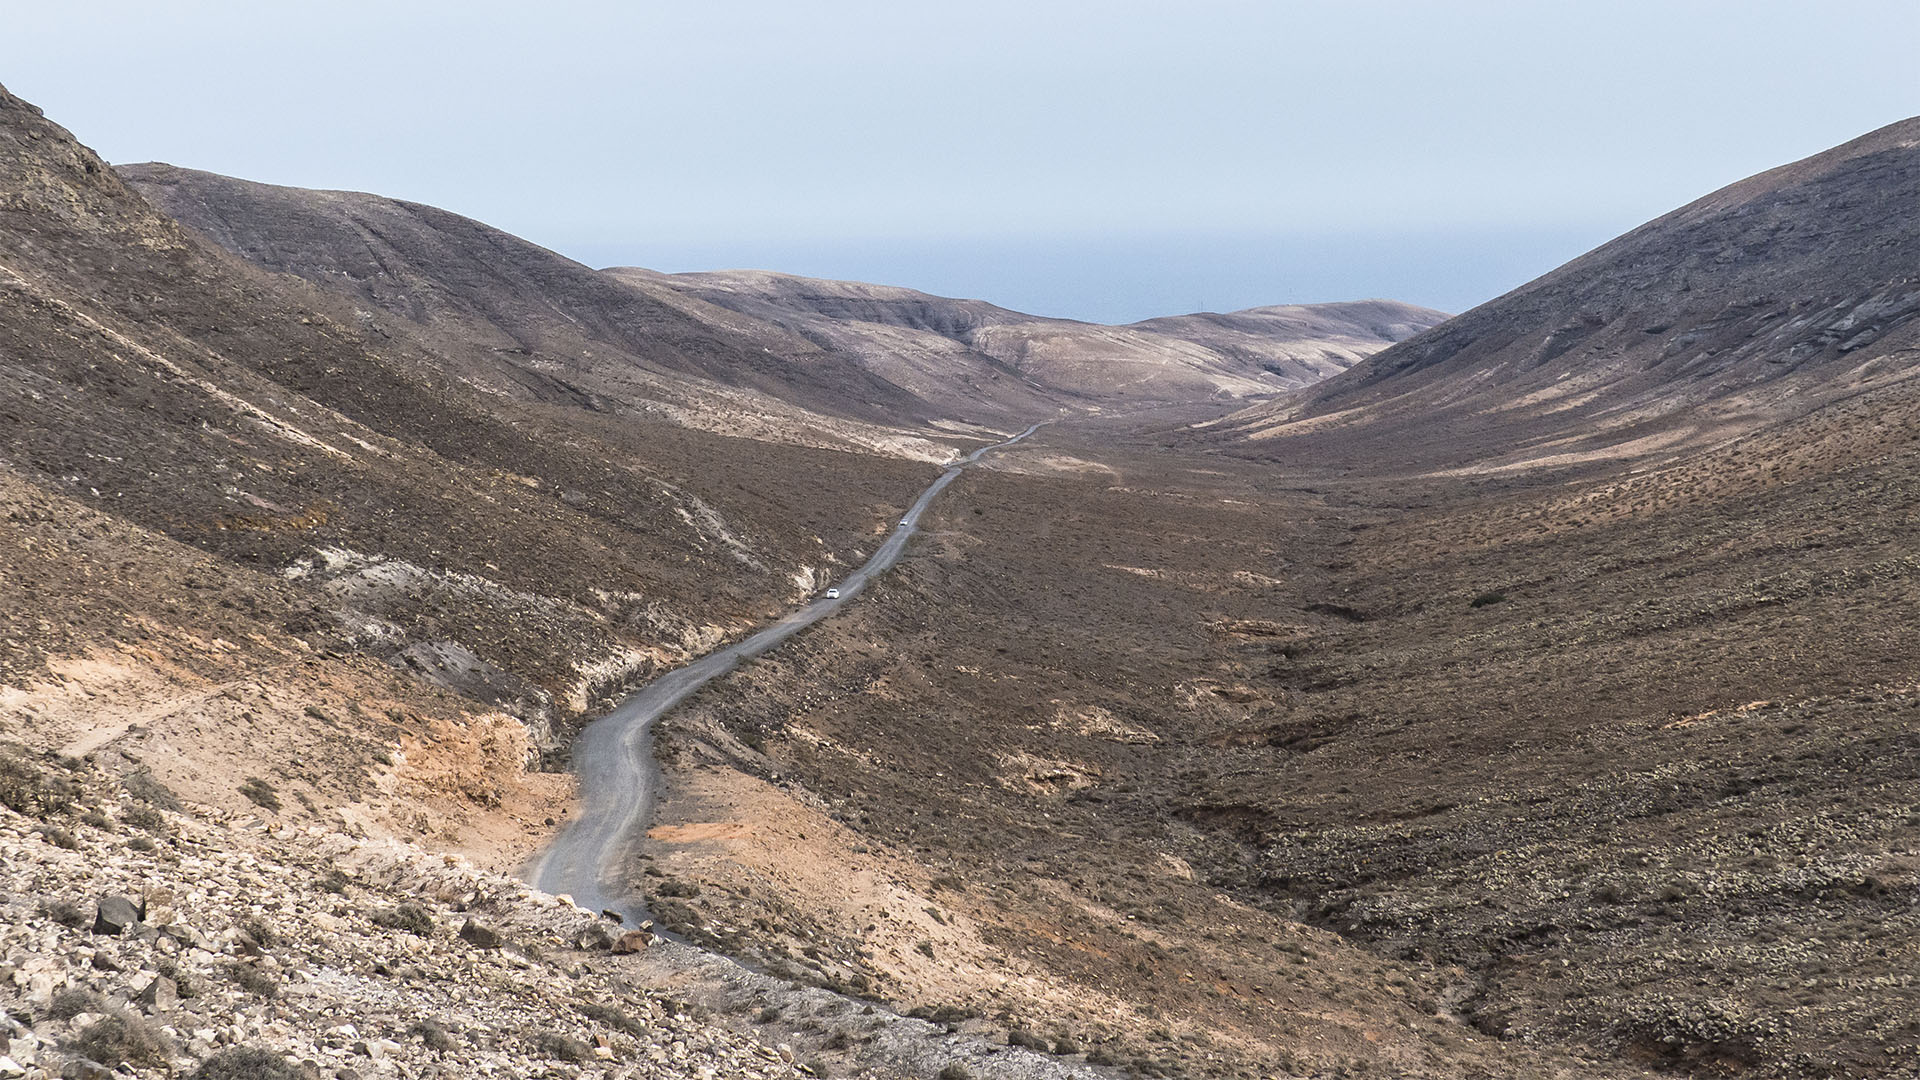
1748	306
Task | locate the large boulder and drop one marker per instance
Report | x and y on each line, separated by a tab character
485	937
160	995
117	914
593	938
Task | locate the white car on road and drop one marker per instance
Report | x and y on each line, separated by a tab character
833	594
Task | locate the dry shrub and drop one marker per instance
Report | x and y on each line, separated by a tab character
124	1039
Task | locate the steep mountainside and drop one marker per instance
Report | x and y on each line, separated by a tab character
913	335
1748	306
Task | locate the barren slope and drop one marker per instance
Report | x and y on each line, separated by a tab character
1745	307
525	320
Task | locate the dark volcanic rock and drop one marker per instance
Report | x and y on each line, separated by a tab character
485	937
116	915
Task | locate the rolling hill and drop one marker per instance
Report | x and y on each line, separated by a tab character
914	336
519	319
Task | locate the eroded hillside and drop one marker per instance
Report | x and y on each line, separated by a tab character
525	321
519	320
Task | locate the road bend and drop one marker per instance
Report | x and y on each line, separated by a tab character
613	756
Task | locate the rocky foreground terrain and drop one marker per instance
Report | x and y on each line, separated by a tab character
143	936
137	935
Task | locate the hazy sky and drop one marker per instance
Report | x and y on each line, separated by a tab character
1107	159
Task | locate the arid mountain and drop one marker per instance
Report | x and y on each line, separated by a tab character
349	548
914	337
524	320
1749	306
514	318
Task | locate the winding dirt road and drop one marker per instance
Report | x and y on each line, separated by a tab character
613	757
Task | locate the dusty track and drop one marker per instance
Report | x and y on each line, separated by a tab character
613	757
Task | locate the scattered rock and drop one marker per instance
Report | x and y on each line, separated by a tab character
632	942
116	915
169	990
160	995
188	936
485	937
594	938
